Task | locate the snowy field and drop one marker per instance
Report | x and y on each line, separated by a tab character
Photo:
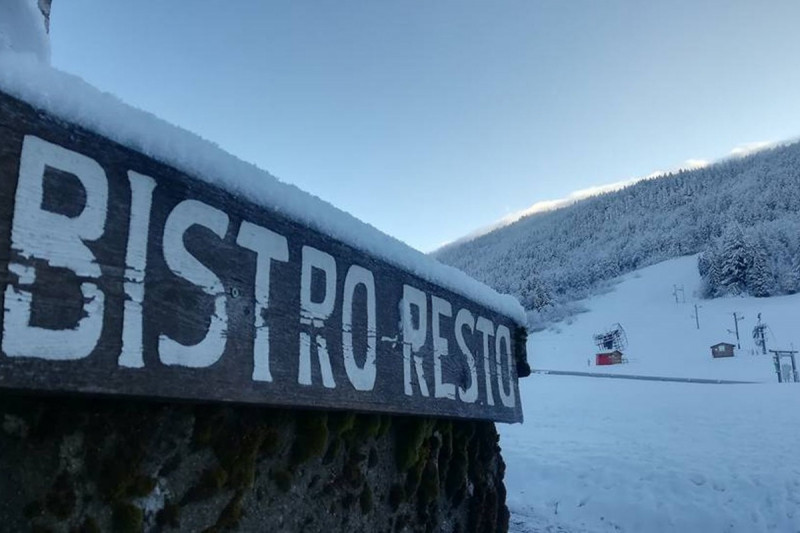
600	454
663	339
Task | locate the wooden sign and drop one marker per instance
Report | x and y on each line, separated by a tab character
123	276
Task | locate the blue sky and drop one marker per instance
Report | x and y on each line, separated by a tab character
430	119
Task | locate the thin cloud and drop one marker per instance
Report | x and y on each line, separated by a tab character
576	196
693	164
749	148
549	205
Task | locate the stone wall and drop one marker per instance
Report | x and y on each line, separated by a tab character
89	464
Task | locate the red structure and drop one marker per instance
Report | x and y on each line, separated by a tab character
608	358
722	349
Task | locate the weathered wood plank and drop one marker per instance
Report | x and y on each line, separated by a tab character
122	275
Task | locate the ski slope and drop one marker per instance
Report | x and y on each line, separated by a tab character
663	339
600	454
603	455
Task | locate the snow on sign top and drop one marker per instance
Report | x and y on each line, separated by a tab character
22	29
73	100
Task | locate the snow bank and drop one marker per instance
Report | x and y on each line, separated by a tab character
70	98
22	29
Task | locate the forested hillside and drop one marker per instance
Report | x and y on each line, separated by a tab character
742	213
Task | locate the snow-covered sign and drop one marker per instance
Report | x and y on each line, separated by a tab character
123	275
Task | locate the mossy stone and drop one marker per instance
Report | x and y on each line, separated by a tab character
283	479
352	474
333	450
429	484
127	518
89	525
358	455
230	515
169	515
456	479
386	425
61	499
348	500
366	500
458	468
238	452
141	486
208	421
311	437
397	496
445	429
372	462
271	443
367	426
414	474
33	510
341	422
411	433
401	523
170	465
211	481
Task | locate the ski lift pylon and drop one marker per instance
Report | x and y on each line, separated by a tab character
612	339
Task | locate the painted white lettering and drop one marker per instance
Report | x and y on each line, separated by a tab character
486	327
314	314
414	337
361	377
503	337
465	319
268	246
440	308
135	266
59	240
182	263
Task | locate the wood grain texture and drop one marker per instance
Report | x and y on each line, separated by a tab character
180	309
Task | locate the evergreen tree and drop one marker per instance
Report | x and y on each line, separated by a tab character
709	265
759	280
704	263
734	261
794	276
535	294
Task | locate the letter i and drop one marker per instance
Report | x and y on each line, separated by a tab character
135	265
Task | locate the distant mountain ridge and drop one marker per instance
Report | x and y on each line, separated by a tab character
551	259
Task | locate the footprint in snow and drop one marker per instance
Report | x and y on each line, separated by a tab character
698	479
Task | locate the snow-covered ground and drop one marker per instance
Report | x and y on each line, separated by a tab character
617	455
663	338
599	454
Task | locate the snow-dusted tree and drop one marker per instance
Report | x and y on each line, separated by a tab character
735	259
708	266
535	294
793	276
758	279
